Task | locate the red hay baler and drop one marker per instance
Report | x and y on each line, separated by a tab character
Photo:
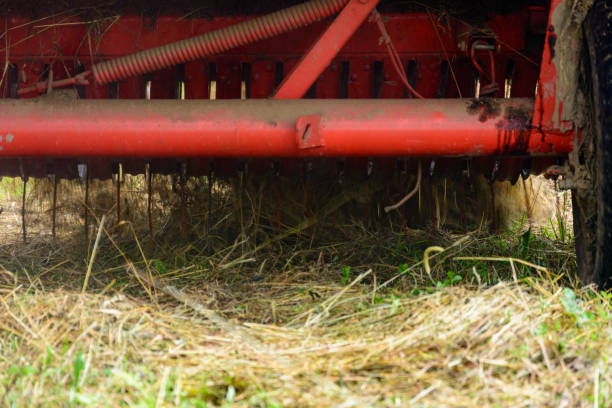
512	88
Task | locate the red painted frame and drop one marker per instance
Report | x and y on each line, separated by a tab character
441	131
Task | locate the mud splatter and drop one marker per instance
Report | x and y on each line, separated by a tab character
514	131
485	108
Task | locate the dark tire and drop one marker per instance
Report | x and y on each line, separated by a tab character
593	205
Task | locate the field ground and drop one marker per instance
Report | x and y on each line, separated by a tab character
397	317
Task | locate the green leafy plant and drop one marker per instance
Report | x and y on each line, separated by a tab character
346	275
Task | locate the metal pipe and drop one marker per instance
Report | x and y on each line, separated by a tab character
274	128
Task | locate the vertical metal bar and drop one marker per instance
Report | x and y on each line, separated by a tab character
494	212
306	178
54	210
23	201
340	175
276	174
211	173
463	206
148	171
86	204
149	176
23	204
119	176
182	186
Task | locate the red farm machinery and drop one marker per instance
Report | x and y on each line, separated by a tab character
507	89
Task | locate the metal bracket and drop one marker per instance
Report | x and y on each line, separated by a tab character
309	132
314	62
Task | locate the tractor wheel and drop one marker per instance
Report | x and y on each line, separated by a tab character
592	203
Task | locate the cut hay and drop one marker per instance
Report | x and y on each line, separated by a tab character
507	345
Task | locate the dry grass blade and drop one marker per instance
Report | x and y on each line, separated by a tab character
211	315
93	252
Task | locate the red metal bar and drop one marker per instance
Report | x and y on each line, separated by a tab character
269	128
549	103
313	63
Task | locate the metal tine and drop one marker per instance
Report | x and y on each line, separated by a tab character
53	180
148	170
463	205
378	77
494	212
118	176
402	172
211	174
212	95
306	169
245	93
279	69
180	95
182	178
243	169
113	93
148	178
24	178
526	170
369	171
494	174
54	210
84	178
495	171
276	173
338	185
434	216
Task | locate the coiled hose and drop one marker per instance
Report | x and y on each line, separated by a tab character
216	42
